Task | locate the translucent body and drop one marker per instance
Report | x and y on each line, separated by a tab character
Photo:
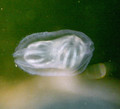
59	53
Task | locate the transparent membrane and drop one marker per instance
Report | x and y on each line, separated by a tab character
59	53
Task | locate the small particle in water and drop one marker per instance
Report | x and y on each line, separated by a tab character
3	29
78	1
109	61
58	53
15	65
1	9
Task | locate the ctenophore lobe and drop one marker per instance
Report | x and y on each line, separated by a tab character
58	53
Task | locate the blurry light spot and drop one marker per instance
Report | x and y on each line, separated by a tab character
15	65
3	29
96	71
109	60
102	68
78	1
1	9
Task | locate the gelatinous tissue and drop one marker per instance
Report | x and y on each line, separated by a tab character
58	53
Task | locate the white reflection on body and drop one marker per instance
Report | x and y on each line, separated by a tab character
58	53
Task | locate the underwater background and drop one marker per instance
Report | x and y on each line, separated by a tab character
99	19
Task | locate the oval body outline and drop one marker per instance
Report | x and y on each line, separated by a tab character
55	68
